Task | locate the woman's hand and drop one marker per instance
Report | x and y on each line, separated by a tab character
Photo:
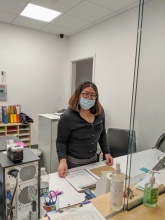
62	168
109	159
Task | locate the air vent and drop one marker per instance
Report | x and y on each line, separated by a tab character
27	172
28	194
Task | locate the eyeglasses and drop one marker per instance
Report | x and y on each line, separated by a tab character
86	95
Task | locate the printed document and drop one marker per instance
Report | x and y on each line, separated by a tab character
80	179
84	212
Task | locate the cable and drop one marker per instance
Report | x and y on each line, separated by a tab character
13	173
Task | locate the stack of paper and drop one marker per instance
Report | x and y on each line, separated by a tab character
77	212
80	179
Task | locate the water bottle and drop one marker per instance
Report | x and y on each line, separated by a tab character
44	190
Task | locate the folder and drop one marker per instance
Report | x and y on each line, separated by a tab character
14	114
10	114
18	111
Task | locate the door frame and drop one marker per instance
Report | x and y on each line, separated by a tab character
73	71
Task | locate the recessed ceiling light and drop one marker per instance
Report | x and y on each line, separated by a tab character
39	13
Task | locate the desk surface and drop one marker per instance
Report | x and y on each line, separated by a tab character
144	213
140	212
71	196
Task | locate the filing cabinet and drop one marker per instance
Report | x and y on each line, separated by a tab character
47	133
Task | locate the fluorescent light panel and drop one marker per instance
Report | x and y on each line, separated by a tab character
39	13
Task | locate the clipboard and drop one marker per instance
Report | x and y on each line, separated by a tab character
86	210
98	171
80	179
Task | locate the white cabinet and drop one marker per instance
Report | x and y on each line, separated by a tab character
47	133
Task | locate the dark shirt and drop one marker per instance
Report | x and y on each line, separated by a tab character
78	138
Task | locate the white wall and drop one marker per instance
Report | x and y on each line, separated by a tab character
35	66
150	108
113	41
38	69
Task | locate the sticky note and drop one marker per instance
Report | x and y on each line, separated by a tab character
145	170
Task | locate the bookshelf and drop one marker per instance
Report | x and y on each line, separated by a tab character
18	130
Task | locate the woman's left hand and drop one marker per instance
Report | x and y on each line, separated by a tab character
109	159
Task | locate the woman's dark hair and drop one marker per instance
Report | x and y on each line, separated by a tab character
74	100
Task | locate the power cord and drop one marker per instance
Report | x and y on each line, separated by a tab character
13	173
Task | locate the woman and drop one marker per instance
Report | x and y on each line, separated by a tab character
80	128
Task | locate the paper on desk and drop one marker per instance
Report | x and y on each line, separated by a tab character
80	178
154	153
135	179
86	212
103	184
70	195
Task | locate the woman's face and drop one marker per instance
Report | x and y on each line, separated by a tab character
88	93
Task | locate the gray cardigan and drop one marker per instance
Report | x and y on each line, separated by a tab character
77	138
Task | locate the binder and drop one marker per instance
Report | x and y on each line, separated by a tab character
4	115
0	114
11	114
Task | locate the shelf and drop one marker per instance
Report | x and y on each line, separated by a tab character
2	134
24	129
24	139
12	128
16	129
23	134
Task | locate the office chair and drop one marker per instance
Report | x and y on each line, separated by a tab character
121	141
160	144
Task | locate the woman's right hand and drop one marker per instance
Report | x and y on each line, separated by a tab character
62	168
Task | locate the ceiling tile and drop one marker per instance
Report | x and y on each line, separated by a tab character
106	17
113	4
13	6
76	15
56	29
6	17
80	29
84	9
58	5
128	7
29	23
70	21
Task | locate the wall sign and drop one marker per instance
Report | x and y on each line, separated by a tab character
3	92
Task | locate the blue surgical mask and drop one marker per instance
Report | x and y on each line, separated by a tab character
86	103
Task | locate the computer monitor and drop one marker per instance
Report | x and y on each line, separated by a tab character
160	165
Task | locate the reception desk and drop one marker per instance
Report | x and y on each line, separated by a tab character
102	202
141	212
